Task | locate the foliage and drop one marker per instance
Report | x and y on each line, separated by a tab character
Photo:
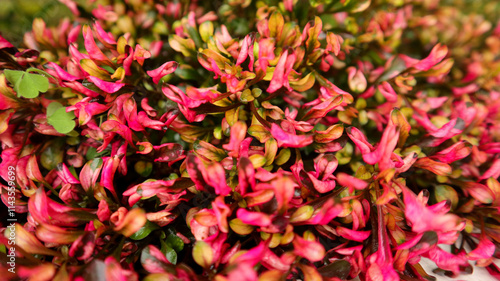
253	140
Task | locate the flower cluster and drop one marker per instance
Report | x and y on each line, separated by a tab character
253	140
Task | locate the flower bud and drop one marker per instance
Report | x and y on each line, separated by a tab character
356	79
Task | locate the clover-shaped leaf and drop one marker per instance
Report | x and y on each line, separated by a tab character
61	120
53	106
26	84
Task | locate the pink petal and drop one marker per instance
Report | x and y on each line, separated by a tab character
280	75
438	168
214	176
416	212
147	108
478	191
57	235
194	167
493	171
323	108
243	272
94	52
221	211
359	140
154	261
103	212
469	89
453	153
447	131
150	188
351	182
237	135
246	175
4	44
244	49
290	140
46	211
326	213
114	270
72	6
353	234
116	127
253	218
73	34
484	250
163	70
254	255
108	172
382	155
130	112
80	89
388	92
67	177
147	122
168	152
62	74
322	186
103	36
83	247
288	5
108	87
284	189
438	53
310	250
445	260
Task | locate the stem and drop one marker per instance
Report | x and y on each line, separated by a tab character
47	185
29	129
257	115
118	250
43	72
223	96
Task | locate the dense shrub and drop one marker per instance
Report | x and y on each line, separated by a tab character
252	140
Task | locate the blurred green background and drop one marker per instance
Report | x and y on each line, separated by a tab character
16	16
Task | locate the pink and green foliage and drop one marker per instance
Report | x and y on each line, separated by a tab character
253	140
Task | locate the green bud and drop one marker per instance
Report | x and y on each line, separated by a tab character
143	168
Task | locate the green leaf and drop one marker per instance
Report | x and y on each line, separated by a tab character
53	154
203	254
13	75
169	252
144	231
96	163
27	85
339	269
398	65
186	72
92	153
53	106
175	241
62	121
